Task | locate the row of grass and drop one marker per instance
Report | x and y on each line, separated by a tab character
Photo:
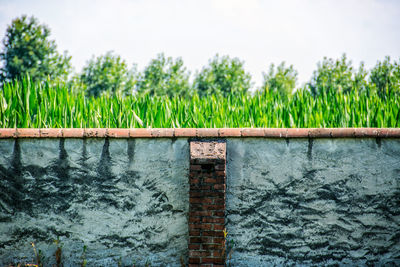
25	104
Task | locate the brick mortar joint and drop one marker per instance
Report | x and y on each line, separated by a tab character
200	132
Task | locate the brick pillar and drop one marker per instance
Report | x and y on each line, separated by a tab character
207	203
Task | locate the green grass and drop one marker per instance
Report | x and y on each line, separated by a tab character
24	104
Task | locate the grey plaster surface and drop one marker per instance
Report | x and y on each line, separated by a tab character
322	202
124	200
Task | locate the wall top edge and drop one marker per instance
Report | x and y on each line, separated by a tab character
199	132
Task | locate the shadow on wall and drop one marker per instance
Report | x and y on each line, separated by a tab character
123	198
326	202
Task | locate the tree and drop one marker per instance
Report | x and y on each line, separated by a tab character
337	76
28	51
385	77
164	76
283	80
223	76
107	73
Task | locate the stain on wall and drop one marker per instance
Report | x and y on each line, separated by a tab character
125	200
322	202
290	202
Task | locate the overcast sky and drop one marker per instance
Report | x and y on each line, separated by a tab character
256	31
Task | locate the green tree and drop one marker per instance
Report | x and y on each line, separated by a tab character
223	76
385	77
337	76
164	76
28	51
107	73
282	80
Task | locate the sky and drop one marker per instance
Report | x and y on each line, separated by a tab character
259	32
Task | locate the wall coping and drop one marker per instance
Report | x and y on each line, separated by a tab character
199	132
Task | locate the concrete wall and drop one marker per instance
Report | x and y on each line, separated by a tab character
322	202
301	202
122	199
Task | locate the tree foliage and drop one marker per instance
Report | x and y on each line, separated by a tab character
337	75
223	76
385	77
282	80
164	76
29	51
107	73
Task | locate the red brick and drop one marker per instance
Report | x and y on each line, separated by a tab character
118	133
200	187
230	132
213	233
194	226
196	194
253	132
218	240
212	260
194	174
211	246
218	201
214	207
194	219
201	239
196	207
194	233
140	132
194	253
219	213
220	179
220	167
195	187
220	173
194	181
50	133
28	133
214	194
213	220
218	253
219	227
8	133
73	132
194	261
185	132
219	187
201	213
201	200
210	180
204	198
195	167
207	132
205	187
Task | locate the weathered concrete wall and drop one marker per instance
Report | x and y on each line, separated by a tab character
290	201
121	198
323	202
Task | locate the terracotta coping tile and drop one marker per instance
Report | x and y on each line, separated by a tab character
200	132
